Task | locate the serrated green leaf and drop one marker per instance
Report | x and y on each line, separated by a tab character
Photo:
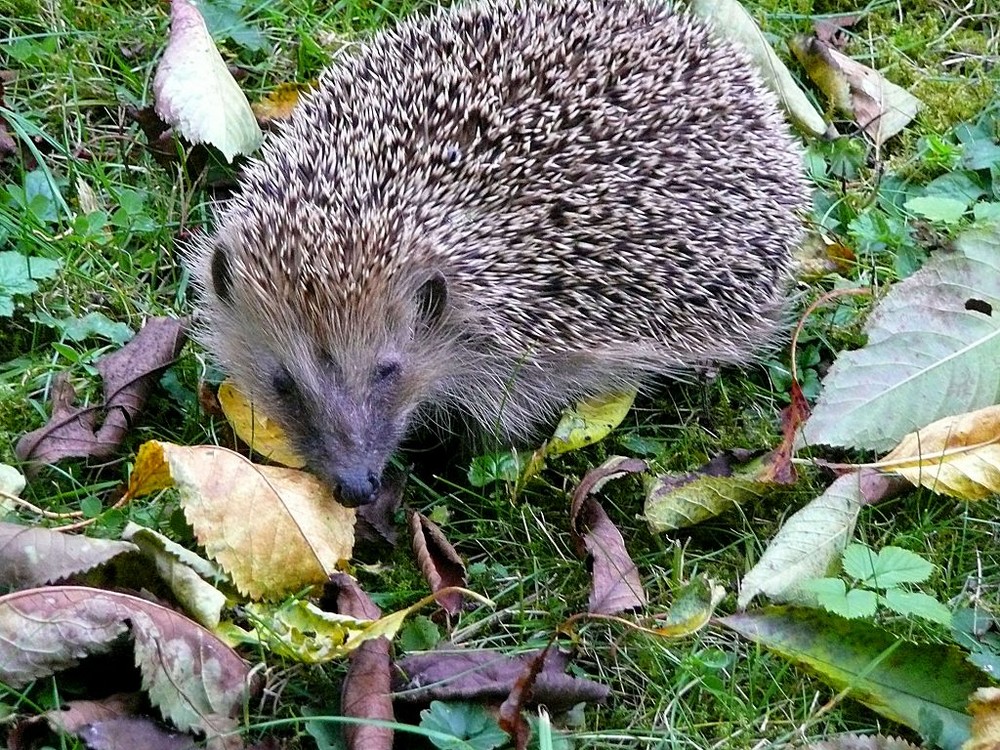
895	565
928	355
807	545
916	604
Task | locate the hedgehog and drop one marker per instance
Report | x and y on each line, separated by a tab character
491	211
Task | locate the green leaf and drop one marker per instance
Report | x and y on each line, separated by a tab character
833	595
919	605
895	565
505	466
468	723
938	208
18	273
588	422
980	155
807	544
420	634
886	569
920	685
962	186
928	355
986	212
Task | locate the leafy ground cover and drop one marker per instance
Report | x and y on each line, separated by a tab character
93	205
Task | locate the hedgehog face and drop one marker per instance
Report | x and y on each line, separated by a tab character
344	402
346	418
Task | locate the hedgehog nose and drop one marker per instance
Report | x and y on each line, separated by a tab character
357	487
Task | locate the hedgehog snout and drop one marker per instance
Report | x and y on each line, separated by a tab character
356	486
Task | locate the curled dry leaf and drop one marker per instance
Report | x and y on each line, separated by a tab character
195	91
439	562
183	572
692	608
676	501
880	107
367	689
488	677
256	429
957	456
129	376
273	530
985	709
35	556
615	584
511	719
778	466
192	677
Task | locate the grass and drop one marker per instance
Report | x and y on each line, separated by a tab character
81	66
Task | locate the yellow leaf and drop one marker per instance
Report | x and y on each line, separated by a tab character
985	710
273	530
957	456
589	421
151	472
279	103
255	428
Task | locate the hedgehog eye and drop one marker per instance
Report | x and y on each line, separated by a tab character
284	385
386	371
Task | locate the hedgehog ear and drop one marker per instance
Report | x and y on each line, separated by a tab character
432	297
222	276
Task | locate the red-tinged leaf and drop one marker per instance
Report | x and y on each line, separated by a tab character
488	677
778	466
192	677
615	584
438	561
832	30
924	686
367	688
129	376
376	521
511	719
36	556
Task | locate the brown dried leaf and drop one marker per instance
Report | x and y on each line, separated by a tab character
832	30
511	719
297	535
615	583
129	375
141	732
778	466
8	146
35	556
985	709
880	107
438	561
488	677
376	520
195	679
